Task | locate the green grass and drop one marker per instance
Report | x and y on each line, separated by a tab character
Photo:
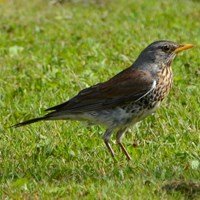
50	52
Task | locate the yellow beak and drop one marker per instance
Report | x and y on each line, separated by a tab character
183	47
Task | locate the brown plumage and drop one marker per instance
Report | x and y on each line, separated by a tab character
126	98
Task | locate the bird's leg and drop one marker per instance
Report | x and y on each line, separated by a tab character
120	134
106	138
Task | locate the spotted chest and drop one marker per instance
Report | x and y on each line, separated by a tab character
148	104
156	96
162	88
138	110
165	81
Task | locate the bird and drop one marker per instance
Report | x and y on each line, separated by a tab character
125	99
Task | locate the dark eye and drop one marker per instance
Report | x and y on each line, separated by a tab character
165	48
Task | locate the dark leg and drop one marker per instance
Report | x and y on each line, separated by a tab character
106	138
119	142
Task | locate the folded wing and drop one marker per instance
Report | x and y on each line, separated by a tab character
129	85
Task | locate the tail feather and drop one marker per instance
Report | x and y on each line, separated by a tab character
30	121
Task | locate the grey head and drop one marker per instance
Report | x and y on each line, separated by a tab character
159	54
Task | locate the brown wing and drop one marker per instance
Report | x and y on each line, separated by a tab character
129	85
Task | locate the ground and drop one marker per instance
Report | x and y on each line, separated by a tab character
48	52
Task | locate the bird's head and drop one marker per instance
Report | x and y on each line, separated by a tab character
158	54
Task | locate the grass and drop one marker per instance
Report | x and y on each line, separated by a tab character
50	52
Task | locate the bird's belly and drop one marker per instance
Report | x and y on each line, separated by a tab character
120	116
109	118
143	112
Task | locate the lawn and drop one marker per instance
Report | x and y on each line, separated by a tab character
48	53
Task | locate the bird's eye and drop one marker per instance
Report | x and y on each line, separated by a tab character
165	48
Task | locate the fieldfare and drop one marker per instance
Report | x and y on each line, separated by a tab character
126	98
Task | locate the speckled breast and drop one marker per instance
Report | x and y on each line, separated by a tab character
148	104
163	86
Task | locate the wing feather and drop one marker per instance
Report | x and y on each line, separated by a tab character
129	85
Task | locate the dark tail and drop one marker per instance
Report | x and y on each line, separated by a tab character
29	122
